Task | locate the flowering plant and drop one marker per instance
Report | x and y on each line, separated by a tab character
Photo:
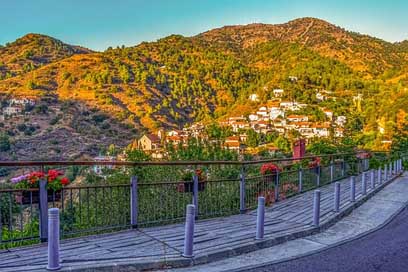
315	163
188	175
269	168
364	155
55	180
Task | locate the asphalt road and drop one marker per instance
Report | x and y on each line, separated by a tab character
384	250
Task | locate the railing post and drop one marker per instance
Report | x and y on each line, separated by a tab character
134	201
343	168
385	173
316	208
195	195
43	210
300	189
53	239
379	175
390	169
363	183
189	231
331	171
260	218
372	179
277	186
337	196
242	207
352	188
318	176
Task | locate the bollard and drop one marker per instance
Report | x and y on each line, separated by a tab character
53	239
189	232
300	189
352	188
260	218
133	202
242	208
372	180
379	175
363	183
337	196
316	208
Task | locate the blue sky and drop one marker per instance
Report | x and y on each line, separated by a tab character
98	24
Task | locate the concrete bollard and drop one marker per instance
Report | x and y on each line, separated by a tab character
316	208
352	188
337	196
372	179
379	175
363	184
189	231
260	219
53	239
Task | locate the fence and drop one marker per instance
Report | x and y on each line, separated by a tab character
139	194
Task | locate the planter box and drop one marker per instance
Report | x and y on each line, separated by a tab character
188	187
24	197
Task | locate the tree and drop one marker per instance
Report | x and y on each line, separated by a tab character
283	144
4	143
253	138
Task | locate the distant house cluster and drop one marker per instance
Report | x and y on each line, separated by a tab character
15	107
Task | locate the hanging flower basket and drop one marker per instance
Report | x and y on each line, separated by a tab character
269	172
55	182
187	185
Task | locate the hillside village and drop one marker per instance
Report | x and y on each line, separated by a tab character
272	117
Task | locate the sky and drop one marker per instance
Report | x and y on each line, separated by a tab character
98	24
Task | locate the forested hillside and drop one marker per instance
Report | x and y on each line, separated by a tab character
178	80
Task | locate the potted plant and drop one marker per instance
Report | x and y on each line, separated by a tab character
270	171
187	184
55	182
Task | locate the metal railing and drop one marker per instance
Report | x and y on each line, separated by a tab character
158	193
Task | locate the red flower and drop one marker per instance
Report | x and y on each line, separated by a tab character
315	163
269	168
64	181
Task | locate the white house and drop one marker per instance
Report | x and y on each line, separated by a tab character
328	113
12	110
254	97
341	120
278	92
22	101
297	118
253	117
275	113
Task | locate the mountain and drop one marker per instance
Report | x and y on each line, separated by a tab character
361	52
32	51
178	80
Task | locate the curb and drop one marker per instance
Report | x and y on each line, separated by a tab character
249	247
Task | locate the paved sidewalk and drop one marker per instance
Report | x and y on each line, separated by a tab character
215	239
370	216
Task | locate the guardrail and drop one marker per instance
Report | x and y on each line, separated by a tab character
141	194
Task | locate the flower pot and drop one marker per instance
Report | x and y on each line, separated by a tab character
28	197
